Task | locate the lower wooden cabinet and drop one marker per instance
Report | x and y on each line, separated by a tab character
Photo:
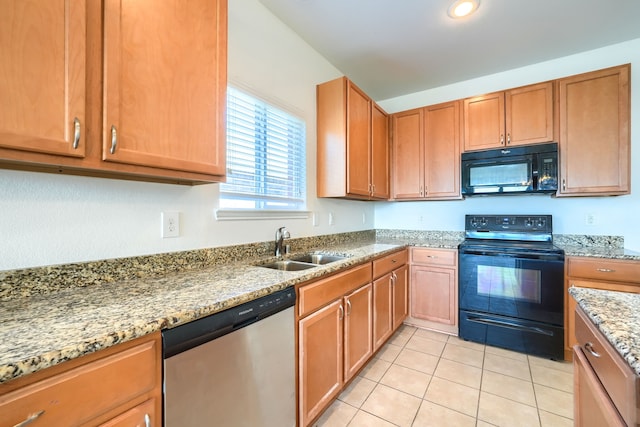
341	321
119	386
606	389
390	295
597	273
434	289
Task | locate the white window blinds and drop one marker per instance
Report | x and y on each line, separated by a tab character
265	156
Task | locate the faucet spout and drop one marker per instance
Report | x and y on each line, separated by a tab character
281	234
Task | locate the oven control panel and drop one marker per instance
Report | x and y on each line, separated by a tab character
515	223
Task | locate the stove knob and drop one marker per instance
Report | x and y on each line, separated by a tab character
474	222
541	222
528	222
483	222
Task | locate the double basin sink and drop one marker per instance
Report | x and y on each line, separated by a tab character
304	262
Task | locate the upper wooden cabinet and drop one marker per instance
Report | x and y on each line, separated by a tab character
426	153
514	117
132	90
594	140
164	96
42	77
353	139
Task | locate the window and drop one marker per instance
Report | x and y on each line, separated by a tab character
265	156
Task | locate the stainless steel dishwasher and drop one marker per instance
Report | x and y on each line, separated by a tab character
234	368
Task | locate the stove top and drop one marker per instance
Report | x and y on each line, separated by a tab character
509	234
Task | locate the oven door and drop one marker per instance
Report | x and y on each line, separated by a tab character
503	175
528	286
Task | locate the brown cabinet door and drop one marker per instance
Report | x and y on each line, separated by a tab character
592	405
484	122
594	114
382	310
433	294
358	334
42	77
379	153
529	114
165	84
142	415
358	141
320	337
442	151
400	296
408	155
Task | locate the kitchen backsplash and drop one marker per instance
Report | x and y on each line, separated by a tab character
49	279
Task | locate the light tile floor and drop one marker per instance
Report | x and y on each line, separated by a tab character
422	378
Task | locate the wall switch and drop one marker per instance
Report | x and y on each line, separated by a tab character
364	217
170	224
314	219
331	218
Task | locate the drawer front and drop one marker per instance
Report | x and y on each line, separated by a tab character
389	263
317	294
604	269
76	396
615	375
448	257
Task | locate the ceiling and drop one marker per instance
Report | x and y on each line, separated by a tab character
394	47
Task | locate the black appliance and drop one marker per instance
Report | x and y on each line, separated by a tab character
511	284
511	170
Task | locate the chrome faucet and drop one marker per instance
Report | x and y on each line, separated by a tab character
281	234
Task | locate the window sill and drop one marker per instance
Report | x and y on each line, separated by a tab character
244	215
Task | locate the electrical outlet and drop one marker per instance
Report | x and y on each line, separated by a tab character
364	217
590	219
170	224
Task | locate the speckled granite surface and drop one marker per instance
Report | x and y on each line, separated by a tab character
617	316
45	329
56	313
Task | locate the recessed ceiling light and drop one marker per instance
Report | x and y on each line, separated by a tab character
462	8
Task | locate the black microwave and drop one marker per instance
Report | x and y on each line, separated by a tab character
512	170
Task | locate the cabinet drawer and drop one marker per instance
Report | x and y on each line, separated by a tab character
389	263
83	393
604	269
447	257
317	294
616	376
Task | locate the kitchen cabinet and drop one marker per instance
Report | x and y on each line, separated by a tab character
517	116
352	143
594	140
389	295
358	330
606	389
426	153
117	386
434	289
42	80
598	273
112	93
334	337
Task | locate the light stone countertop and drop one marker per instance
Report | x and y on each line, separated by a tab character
617	316
42	330
52	314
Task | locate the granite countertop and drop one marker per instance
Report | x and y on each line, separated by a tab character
40	331
56	313
617	316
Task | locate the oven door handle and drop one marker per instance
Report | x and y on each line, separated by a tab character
510	325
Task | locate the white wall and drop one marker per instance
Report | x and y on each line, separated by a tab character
614	215
50	219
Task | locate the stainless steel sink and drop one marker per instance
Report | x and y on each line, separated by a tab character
289	265
318	258
303	262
